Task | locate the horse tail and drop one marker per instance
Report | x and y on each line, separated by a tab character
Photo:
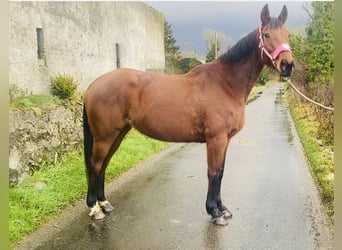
88	141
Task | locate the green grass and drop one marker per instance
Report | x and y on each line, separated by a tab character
255	90
32	101
44	195
320	156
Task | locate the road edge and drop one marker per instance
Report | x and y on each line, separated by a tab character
79	208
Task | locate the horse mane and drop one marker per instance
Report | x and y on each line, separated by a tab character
242	48
246	44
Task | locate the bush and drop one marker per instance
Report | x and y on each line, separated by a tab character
63	86
265	75
15	92
187	64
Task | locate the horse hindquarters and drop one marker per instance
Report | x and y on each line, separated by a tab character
97	153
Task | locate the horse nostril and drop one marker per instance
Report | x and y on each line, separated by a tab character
285	66
283	63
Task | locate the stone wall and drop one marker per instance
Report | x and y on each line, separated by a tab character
41	136
79	39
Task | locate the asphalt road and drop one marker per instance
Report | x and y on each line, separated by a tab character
267	186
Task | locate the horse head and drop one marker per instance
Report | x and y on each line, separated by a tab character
274	42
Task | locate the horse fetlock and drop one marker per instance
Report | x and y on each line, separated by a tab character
106	206
213	210
96	212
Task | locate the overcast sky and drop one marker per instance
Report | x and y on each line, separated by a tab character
233	19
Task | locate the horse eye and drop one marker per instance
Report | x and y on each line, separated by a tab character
267	35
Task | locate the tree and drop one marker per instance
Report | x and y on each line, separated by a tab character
315	51
171	50
320	37
214	41
186	64
212	52
314	59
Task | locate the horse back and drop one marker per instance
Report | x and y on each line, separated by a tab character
167	107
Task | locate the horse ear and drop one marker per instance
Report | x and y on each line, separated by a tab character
265	15
283	15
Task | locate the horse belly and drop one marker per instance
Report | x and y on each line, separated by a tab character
169	126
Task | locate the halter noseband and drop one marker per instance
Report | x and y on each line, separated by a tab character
282	47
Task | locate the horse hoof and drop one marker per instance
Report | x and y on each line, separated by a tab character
98	216
96	213
220	221
107	208
227	214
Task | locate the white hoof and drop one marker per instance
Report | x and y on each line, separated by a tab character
96	212
105	206
219	221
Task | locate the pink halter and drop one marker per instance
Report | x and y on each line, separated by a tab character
282	47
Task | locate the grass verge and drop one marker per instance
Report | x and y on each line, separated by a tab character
320	156
257	91
44	195
32	101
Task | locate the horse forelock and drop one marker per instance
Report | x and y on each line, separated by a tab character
275	23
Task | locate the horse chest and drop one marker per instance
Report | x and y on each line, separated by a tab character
224	121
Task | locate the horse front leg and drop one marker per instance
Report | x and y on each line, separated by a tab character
216	153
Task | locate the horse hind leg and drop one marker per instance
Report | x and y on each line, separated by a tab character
101	198
94	171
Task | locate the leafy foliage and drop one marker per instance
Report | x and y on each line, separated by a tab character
210	56
315	51
186	64
171	50
314	56
265	75
63	86
15	92
320	38
19	99
314	75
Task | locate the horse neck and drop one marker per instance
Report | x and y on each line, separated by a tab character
242	75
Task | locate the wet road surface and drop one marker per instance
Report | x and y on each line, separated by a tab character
161	204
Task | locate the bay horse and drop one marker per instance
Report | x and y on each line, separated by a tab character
205	105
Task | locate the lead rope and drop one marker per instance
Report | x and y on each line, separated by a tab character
305	97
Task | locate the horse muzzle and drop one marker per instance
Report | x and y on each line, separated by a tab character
286	68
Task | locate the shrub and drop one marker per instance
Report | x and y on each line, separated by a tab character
15	92
186	64
265	75
63	86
